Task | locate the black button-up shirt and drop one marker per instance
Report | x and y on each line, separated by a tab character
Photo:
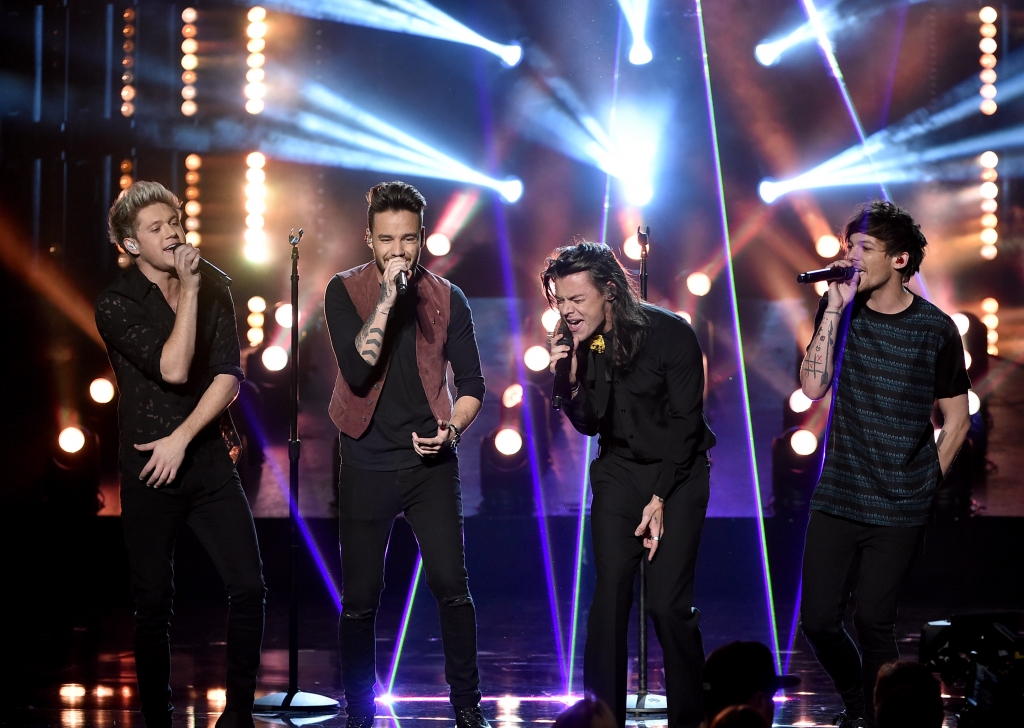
135	322
652	411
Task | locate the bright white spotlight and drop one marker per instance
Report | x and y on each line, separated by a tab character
699	284
635	13
71	440
973	402
963	324
820	287
827	246
640	53
385	699
508	441
101	390
256	252
768	190
767	53
803	442
257	304
439	244
549	319
989	252
685	317
990	305
631	247
799	402
512	396
511	189
275	358
512	54
255	160
989	236
990	320
283	315
536	358
255	336
638	191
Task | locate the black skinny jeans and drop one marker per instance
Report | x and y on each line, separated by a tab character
622	488
430	495
844	558
222	521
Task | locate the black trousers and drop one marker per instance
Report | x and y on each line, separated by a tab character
430	496
844	558
622	488
222	521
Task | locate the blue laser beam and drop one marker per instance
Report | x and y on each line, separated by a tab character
414	17
741	365
404	627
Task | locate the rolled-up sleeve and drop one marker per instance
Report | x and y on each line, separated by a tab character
343	324
125	328
684	378
462	349
225	357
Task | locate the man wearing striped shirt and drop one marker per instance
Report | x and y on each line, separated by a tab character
889	357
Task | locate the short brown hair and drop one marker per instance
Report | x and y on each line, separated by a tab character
892	225
123	218
393	196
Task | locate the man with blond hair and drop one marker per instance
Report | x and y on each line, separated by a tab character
173	345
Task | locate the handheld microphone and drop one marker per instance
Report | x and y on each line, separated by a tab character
402	282
214	273
826	274
561	393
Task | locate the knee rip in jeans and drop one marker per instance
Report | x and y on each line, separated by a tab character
458	601
352	614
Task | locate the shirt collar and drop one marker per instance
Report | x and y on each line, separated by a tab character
134	284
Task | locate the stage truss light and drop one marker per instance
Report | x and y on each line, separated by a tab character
820	287
512	396
71	440
827	246
990	305
699	283
255	320
283	315
635	13
415	17
536	358
685	317
990	320
256	249
631	247
275	358
803	442
989	252
973	402
799	402
439	244
72	691
257	304
101	390
989	236
255	336
508	441
963	324
128	92
549	319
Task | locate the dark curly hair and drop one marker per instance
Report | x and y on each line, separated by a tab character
893	226
610	278
393	196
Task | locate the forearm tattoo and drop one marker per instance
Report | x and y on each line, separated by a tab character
370	338
816	360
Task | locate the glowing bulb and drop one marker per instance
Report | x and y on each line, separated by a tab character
988	91
827	246
989	190
256	160
820	287
255	60
255	106
255	320
255	191
992	337
988	76
536	358
988	30
512	396
990	320
193	208
127	108
439	244
257	304
799	402
189	45
216	695
189	108
989	236
698	284
255	336
102	691
188	92
254	75
992	350
988	14
768	191
127	93
256	14
193	162
254	221
989	205
255	236
283	315
255	174
256	90
189	15
508	442
256	253
71	440
275	358
988	252
101	390
988	61
685	317
988	107
988	45
989	220
255	207
803	442
193	238
990	305
72	690
963	324
967	359
192	224
189	61
631	248
256	30
988	160
511	189
549	319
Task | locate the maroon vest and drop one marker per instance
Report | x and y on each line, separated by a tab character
352	411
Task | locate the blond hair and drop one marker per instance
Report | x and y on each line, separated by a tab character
123	218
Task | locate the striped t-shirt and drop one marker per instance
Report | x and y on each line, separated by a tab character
881	463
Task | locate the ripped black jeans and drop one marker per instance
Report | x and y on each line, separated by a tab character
430	496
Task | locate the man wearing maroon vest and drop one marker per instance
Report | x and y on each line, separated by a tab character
399	432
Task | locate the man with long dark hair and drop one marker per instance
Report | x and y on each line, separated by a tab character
889	357
399	431
637	375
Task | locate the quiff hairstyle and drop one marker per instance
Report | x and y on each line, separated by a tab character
392	197
894	227
123	218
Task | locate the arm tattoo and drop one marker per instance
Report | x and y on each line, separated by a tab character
369	348
816	363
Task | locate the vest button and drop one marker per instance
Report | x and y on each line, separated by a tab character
376	386
364	419
369	402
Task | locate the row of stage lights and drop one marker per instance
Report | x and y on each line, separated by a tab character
988	46
192	205
128	64
989	190
255	88
189	61
256	248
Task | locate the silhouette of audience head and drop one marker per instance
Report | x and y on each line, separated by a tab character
587	713
907	695
742	673
740	716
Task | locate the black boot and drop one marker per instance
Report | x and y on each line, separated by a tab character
470	718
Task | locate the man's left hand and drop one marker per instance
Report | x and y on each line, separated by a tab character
652	526
425	446
162	468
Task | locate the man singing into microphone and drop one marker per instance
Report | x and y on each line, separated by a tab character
173	345
889	356
637	380
395	328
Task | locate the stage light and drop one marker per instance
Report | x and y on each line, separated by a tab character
216	695
188	92
438	244
990	305
189	108
255	45
255	60
990	320
803	442
989	252
799	402
511	189
72	690
635	12
640	54
256	14
255	191
989	236
255	174
255	336
699	284
193	238
989	190
255	207
988	61
988	45
127	108
71	440
508	442
987	91
415	17
255	236
549	319
989	220
821	287
992	337
255	106
254	221
963	324
275	358
256	30
191	224
988	14
189	61
256	252
257	304
254	75
127	93
101	390
189	15
255	320
255	90
685	317
102	691
988	107
827	246
631	248
508	704
536	358
992	350
768	191
189	45
193	207
189	77
988	76
512	396
283	315
989	205
989	175
967	359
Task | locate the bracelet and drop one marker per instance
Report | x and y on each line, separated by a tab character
839	312
454	442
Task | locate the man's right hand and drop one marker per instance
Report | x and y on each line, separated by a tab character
186	265
841	293
560	351
389	291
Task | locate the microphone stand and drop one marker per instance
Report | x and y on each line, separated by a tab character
294	700
644	703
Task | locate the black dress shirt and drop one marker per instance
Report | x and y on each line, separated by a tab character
135	322
403	407
654	410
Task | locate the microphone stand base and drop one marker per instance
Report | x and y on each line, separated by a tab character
646	704
297	702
